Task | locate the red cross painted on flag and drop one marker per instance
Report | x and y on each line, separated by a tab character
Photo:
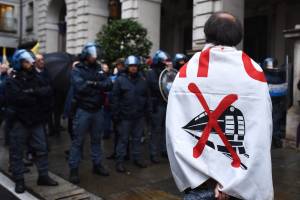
213	124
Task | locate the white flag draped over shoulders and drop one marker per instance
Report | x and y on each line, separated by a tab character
219	124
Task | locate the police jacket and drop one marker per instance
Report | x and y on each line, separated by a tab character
89	85
26	96
152	77
130	97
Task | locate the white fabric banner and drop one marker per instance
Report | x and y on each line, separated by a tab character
219	124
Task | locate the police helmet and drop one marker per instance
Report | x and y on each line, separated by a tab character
91	49
160	57
179	60
269	63
132	60
19	56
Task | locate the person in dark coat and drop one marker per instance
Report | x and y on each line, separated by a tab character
160	61
47	107
118	70
25	95
129	106
89	84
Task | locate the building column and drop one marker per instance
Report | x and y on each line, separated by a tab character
203	10
293	115
77	25
85	19
147	13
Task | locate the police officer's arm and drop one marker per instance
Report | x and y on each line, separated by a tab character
15	96
116	97
104	83
80	85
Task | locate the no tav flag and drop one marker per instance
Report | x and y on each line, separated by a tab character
219	124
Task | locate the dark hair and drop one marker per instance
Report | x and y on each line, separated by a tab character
222	28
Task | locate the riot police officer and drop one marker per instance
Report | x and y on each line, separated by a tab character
89	84
179	60
129	105
276	78
160	61
25	95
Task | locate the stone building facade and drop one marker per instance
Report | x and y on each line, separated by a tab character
65	25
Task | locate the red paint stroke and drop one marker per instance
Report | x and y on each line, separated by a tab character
213	124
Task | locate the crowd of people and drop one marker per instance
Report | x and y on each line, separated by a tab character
100	101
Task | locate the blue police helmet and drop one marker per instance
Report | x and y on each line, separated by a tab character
160	57
178	58
269	63
132	60
19	56
91	49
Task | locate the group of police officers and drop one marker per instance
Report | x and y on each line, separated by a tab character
134	96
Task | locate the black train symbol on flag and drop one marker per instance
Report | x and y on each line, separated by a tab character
232	123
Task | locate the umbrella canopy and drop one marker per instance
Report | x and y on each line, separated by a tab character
59	62
59	66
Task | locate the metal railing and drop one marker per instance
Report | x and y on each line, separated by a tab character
8	24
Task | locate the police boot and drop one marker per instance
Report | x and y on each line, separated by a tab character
112	156
140	164
100	170
120	167
46	181
74	177
154	159
20	186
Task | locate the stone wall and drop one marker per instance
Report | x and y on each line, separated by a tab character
84	20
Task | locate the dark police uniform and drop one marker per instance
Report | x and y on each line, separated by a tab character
26	95
129	107
89	85
159	106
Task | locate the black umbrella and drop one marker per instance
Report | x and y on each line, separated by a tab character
59	66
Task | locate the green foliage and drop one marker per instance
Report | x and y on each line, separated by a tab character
122	38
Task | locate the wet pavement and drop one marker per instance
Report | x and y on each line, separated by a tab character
156	182
155	178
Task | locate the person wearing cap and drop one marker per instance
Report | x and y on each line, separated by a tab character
89	84
160	61
24	93
129	107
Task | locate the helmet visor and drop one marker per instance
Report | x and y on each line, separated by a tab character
27	56
94	51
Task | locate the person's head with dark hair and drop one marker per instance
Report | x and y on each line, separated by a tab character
222	28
